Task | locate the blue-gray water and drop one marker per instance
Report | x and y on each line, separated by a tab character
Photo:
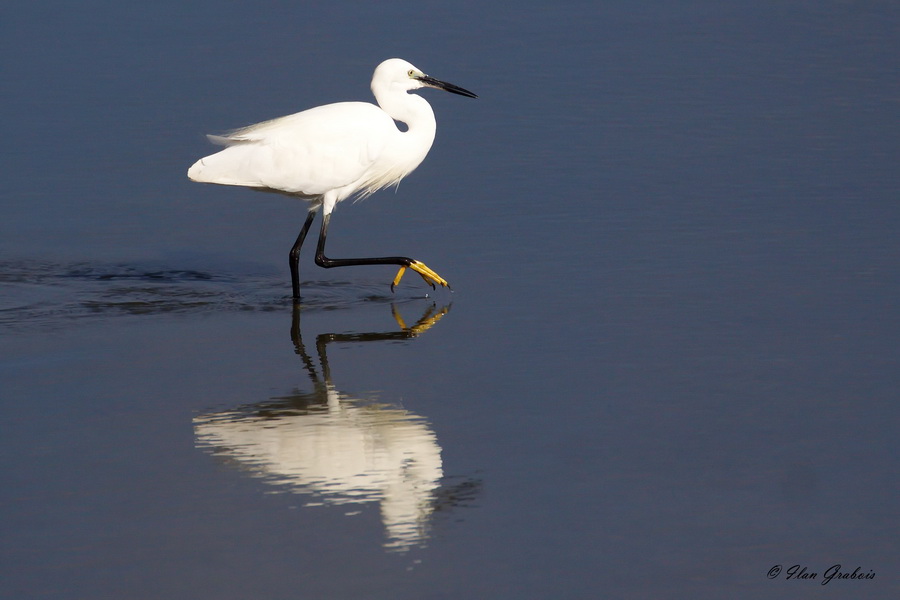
669	362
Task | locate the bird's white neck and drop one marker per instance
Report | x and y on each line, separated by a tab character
416	113
411	109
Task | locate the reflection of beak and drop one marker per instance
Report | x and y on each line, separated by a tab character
447	87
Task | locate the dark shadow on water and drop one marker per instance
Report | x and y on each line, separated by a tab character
338	449
42	294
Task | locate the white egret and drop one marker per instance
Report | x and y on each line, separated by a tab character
332	152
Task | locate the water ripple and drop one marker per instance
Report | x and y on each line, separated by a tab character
36	294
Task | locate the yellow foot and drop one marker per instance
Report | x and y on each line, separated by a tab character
427	274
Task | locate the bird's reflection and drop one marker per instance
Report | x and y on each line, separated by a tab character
339	449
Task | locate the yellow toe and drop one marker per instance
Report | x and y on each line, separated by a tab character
430	277
398	277
427	274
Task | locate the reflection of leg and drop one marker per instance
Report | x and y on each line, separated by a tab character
429	319
299	348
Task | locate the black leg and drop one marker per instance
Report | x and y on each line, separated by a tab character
427	274
294	256
324	261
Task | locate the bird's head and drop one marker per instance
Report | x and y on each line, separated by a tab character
396	73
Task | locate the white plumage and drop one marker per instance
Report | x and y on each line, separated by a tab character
329	153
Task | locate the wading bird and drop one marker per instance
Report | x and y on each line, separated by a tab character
332	152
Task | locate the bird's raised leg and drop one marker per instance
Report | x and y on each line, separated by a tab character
294	256
430	277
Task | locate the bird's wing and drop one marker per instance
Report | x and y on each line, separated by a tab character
307	153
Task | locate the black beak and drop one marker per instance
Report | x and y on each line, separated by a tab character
447	87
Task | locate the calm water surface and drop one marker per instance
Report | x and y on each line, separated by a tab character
668	365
